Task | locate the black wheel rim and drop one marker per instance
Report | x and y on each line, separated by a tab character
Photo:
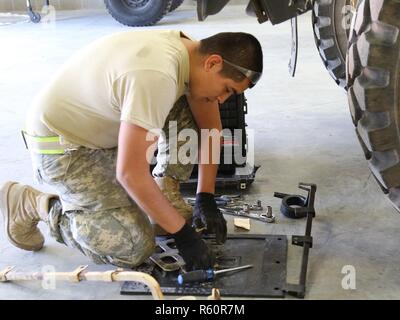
135	4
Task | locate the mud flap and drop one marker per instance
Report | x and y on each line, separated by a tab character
207	8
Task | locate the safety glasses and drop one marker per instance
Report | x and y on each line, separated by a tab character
253	76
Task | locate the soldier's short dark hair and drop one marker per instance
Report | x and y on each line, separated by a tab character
240	48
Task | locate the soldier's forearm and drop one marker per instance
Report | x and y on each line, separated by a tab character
208	119
209	157
145	192
207	176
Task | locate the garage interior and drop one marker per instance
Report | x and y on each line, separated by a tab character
303	133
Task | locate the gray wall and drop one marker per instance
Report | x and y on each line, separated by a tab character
17	5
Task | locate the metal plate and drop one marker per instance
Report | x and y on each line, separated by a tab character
266	279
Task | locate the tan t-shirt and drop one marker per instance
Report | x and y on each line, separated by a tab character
135	76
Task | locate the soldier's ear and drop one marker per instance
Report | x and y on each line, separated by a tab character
213	63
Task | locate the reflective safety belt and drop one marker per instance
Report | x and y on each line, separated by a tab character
44	145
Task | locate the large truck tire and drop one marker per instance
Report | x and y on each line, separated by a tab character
137	13
175	4
373	75
331	24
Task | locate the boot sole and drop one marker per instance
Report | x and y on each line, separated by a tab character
4	192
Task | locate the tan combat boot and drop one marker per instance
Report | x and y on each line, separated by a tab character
170	188
23	207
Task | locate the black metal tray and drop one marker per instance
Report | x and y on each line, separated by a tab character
268	254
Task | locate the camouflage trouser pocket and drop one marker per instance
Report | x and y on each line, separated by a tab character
122	236
85	179
52	170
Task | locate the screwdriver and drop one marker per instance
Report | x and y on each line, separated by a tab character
206	275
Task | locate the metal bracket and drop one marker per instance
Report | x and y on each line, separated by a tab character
74	275
306	241
301	240
296	290
4	272
295	206
108	275
167	253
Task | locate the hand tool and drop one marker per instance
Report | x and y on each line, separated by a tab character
206	275
267	216
235	205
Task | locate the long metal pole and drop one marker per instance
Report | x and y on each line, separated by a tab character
79	275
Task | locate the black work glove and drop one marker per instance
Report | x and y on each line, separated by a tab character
206	215
193	249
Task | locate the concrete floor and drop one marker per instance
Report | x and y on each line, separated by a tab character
303	132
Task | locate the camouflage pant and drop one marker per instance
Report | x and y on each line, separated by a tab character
96	214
